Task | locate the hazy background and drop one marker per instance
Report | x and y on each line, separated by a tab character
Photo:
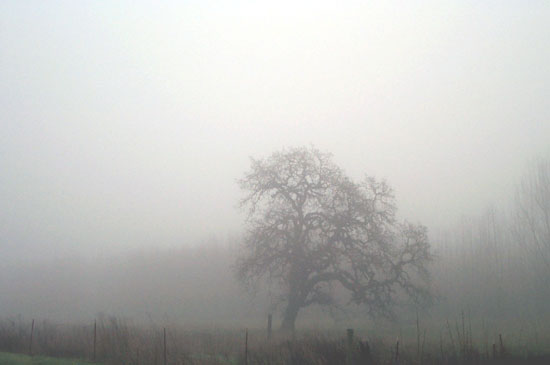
125	125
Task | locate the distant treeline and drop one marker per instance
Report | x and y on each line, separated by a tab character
494	266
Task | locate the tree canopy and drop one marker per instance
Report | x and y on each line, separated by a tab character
310	226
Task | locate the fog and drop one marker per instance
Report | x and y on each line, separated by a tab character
126	125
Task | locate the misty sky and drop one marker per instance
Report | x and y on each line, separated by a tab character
127	124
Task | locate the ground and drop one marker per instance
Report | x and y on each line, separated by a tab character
19	359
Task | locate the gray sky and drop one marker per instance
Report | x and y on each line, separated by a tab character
126	124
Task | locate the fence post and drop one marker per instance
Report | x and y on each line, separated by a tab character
349	332
95	338
397	351
246	347
417	335
164	345
269	322
30	342
349	347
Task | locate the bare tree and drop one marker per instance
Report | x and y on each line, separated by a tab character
532	213
310	226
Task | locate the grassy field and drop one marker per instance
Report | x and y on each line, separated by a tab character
120	341
19	359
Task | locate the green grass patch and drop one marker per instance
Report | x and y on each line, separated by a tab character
19	359
216	358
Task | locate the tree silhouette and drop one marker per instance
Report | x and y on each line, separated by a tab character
310	227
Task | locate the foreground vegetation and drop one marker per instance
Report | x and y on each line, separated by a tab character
20	359
121	342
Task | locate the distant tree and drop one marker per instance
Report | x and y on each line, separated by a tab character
532	216
310	226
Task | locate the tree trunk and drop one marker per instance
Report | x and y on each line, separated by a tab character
295	298
289	319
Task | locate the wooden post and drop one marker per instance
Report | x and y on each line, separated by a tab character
95	339
30	342
422	348
501	345
464	337
349	347
164	345
349	332
417	335
441	345
246	347
397	351
494	351
269	322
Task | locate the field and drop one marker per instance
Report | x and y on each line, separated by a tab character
19	359
121	342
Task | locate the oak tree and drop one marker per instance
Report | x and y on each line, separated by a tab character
310	227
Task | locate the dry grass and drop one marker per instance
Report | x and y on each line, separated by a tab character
120	341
